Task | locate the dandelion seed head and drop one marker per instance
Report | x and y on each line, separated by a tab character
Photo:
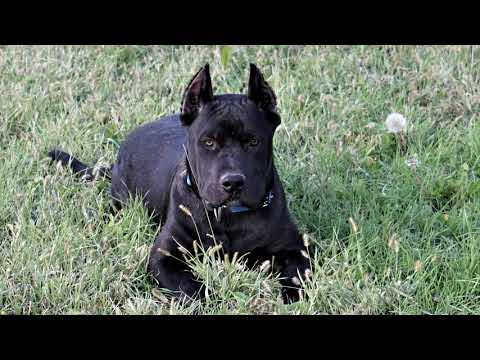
395	123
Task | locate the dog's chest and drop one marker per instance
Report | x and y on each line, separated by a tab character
237	233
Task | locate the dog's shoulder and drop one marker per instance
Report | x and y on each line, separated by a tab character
168	126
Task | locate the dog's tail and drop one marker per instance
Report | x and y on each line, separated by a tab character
78	167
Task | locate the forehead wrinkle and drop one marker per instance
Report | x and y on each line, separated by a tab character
230	109
229	116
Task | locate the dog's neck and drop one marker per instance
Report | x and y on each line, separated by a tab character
192	183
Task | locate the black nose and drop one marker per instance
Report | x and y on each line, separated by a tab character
232	182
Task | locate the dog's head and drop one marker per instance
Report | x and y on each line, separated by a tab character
229	142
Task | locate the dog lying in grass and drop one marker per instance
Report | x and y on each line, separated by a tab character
208	175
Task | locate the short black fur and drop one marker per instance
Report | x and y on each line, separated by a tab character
223	145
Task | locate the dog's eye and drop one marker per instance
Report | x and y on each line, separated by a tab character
253	142
209	142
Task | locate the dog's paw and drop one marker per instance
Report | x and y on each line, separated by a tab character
291	295
191	290
292	289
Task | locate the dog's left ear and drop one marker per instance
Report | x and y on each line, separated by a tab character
262	94
198	92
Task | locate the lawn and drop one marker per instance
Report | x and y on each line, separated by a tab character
393	220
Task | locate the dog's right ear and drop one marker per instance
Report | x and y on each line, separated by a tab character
198	92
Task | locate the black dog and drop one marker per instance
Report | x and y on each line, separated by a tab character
208	172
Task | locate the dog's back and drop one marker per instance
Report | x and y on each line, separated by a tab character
149	154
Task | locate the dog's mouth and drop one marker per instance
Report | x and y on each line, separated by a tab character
227	203
234	200
234	205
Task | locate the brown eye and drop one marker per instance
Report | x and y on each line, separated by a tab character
253	142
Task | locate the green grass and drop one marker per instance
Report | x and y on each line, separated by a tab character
416	248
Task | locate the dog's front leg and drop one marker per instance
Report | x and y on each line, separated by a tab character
294	266
167	267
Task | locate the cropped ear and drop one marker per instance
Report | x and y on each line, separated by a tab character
262	94
197	94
